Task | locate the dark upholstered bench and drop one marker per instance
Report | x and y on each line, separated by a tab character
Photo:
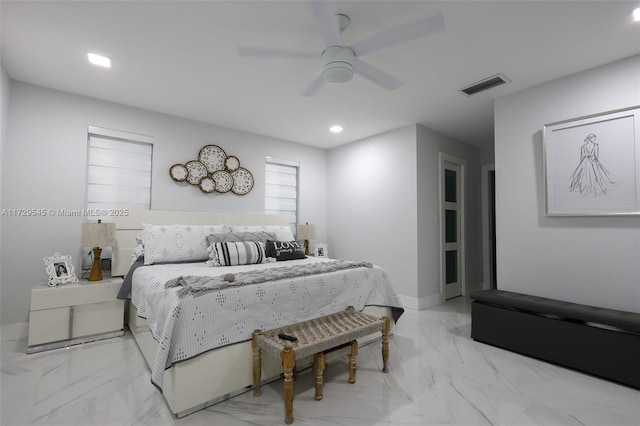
603	342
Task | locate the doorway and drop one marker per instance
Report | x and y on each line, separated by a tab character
452	214
489	227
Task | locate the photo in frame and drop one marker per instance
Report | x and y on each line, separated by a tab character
592	165
321	250
60	270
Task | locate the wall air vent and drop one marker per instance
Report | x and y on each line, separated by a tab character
486	84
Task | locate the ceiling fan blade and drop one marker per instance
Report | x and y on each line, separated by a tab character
314	86
375	74
326	16
268	52
399	35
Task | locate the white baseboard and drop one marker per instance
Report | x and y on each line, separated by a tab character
476	287
15	331
418	304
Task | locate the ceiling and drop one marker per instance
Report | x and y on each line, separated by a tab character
181	58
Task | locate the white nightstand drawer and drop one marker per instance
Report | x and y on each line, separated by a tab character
98	318
49	325
45	297
69	315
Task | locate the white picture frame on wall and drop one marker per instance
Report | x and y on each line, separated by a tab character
592	165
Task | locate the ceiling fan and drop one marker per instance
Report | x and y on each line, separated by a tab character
340	62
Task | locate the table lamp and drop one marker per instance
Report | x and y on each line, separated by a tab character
98	235
306	232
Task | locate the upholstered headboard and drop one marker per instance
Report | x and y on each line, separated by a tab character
129	227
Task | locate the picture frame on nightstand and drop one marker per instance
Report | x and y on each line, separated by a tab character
321	250
60	270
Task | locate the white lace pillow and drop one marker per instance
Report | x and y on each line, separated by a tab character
177	243
282	232
137	252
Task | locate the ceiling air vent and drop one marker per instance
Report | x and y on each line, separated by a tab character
485	84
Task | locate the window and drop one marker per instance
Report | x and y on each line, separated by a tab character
281	189
118	172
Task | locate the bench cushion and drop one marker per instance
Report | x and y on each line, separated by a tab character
625	321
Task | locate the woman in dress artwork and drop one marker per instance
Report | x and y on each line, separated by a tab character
590	177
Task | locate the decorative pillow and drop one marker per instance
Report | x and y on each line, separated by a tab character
282	232
237	253
177	243
232	237
285	250
137	252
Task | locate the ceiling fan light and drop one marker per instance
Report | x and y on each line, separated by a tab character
102	61
337	66
338	72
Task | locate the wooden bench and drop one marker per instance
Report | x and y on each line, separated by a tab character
317	337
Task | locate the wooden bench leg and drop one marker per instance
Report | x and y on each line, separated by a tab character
319	365
352	361
257	364
288	362
385	344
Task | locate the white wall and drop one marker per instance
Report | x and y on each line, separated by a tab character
4	113
589	260
429	145
383	195
372	204
44	166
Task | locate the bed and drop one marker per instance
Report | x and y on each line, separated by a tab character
192	321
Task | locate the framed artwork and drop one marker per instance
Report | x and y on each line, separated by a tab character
592	165
60	270
321	250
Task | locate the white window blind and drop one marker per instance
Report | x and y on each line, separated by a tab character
281	189
118	172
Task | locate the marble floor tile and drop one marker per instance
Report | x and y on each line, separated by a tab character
438	376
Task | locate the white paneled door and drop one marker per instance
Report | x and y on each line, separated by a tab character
451	226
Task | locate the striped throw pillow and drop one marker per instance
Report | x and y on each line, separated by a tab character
237	253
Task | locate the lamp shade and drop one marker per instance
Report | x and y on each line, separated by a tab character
98	234
306	232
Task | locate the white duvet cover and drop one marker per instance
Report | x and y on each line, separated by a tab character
187	326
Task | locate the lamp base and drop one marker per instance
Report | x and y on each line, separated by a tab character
96	268
306	247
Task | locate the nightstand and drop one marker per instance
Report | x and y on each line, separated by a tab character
73	314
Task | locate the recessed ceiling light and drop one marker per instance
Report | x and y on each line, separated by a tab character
335	129
99	60
636	14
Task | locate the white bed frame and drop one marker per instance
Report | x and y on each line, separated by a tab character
216	375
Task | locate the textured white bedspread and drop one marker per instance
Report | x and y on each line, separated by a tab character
187	326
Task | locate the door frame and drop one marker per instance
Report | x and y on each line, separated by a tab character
488	274
462	163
